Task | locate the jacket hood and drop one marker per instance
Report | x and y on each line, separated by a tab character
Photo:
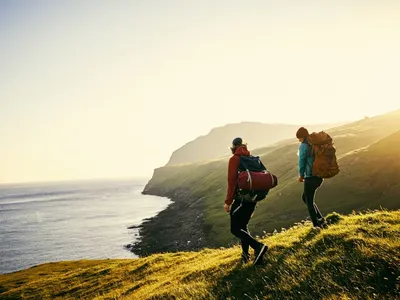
242	151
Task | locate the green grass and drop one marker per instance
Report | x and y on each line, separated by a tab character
357	257
369	178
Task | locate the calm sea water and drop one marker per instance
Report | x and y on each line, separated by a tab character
68	221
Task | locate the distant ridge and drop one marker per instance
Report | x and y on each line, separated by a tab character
216	143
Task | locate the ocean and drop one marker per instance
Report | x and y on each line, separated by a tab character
49	222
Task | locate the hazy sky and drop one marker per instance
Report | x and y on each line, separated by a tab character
111	88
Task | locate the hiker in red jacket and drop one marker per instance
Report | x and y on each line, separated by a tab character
241	211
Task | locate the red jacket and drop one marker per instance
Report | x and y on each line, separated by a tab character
233	173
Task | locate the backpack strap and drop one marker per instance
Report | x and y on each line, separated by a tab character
262	165
248	172
310	149
237	182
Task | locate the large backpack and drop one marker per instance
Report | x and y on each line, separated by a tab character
254	181
325	163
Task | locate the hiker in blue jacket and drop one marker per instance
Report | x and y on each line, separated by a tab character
311	183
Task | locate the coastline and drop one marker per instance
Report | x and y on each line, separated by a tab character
179	227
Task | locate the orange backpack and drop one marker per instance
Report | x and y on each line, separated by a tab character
325	163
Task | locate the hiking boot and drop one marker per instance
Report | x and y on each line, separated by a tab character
316	229
245	258
322	223
259	253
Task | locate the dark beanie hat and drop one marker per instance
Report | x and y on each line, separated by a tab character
302	133
237	142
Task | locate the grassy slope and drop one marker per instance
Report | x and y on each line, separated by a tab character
369	178
355	258
283	206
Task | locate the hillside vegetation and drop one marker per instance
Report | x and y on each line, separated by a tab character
369	156
357	257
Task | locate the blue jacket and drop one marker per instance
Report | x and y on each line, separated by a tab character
306	160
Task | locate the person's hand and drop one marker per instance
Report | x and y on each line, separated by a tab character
227	208
301	179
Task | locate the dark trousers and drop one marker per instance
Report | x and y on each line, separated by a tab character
241	213
310	186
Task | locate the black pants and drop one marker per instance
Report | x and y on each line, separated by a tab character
241	213
310	186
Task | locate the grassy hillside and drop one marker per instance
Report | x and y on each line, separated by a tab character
216	143
355	258
206	182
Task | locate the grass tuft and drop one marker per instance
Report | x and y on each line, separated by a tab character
333	218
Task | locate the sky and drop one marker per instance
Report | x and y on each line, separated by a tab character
107	89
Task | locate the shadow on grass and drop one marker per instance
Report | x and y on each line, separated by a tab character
348	271
248	280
